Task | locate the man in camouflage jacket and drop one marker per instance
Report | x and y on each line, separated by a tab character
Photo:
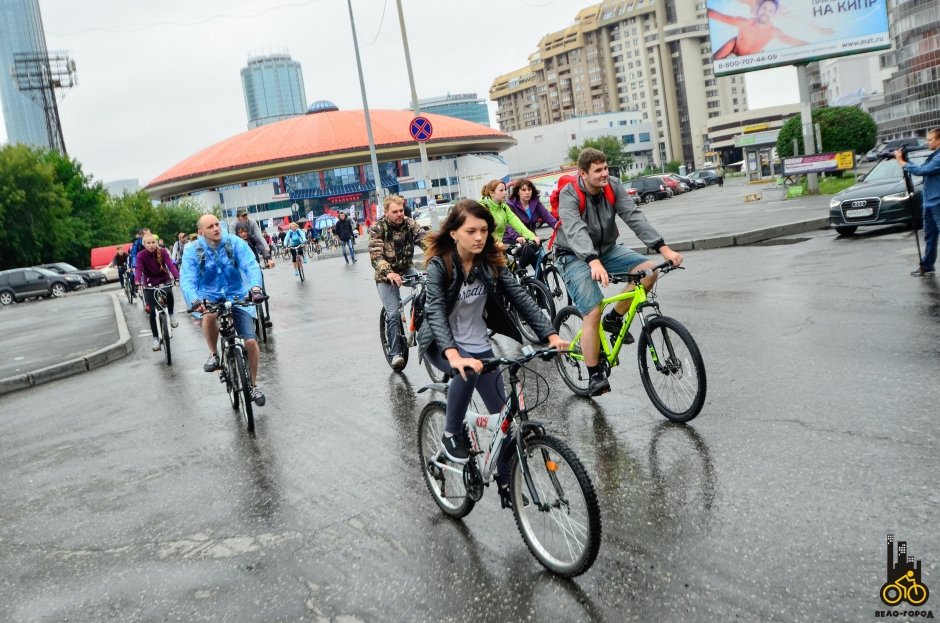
392	243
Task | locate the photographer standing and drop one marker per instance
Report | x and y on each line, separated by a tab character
930	171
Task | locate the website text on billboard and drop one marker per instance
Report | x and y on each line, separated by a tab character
747	35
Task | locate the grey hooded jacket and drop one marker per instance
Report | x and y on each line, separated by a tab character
591	234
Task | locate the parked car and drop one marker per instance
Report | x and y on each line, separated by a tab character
672	186
705	175
870	156
648	189
886	150
19	284
879	198
681	185
685	180
422	215
91	277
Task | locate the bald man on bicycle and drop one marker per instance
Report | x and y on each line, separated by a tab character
216	267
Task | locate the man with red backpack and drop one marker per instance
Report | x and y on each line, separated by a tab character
586	249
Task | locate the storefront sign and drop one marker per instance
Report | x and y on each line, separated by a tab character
756	127
345	198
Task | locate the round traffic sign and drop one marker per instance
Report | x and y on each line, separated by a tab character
420	129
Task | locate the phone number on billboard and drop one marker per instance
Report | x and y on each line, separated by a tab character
747	60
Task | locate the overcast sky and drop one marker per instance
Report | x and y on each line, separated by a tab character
158	81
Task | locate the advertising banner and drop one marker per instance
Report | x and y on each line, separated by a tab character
747	35
819	163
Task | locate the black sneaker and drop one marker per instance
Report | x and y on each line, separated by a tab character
257	396
454	449
598	384
612	325
212	363
505	501
921	272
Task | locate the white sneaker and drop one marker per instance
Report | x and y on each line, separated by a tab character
173	321
156	344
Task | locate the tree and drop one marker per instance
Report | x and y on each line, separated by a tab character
610	145
843	128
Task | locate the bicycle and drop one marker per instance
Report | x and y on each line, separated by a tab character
233	359
892	593
553	499
548	273
164	328
313	246
535	288
262	312
670	362
297	259
128	283
416	281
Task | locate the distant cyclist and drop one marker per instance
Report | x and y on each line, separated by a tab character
121	260
525	204
294	242
262	255
218	267
254	232
136	246
392	243
155	269
494	200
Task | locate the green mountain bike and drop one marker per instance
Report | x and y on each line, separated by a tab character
670	362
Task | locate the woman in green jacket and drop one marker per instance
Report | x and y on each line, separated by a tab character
494	199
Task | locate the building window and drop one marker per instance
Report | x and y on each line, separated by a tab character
644	137
629	139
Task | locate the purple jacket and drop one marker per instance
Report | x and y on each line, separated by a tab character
147	268
529	218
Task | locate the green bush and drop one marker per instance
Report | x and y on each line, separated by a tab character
843	128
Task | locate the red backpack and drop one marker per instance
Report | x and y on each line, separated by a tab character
572	179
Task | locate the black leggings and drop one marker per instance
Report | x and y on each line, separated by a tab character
151	302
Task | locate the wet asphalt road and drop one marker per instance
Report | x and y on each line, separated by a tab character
132	493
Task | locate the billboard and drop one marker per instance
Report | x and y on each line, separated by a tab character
747	35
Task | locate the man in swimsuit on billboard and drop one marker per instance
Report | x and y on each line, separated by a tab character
754	33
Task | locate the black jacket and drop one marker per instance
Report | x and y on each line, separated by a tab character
343	229
442	296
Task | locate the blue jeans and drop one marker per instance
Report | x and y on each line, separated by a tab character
585	292
352	251
931	231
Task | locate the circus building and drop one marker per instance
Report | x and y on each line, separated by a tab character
319	162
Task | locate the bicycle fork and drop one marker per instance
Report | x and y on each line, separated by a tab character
519	439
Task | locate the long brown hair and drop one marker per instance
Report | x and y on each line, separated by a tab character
441	243
519	185
490	186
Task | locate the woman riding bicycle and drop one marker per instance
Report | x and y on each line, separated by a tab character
524	203
294	241
494	200
155	268
466	282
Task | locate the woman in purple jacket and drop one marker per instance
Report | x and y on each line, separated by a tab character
524	202
155	268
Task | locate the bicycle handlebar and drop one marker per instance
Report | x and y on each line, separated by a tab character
664	268
413	280
214	308
528	354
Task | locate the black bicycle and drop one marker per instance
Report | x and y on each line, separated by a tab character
262	312
539	292
409	337
233	357
164	327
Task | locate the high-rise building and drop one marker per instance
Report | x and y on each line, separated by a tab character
274	88
21	31
912	93
648	56
466	106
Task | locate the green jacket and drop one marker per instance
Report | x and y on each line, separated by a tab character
504	215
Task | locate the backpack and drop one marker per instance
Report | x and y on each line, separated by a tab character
572	179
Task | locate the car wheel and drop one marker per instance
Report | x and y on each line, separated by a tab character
670	193
6	298
846	230
58	290
712	182
649	198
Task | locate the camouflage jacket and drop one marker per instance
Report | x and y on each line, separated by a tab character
391	247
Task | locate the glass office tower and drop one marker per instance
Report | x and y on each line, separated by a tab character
274	89
21	31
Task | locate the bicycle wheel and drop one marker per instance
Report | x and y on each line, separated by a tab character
231	381
128	291
446	483
551	277
436	375
573	370
540	294
383	336
563	532
243	388
300	271
261	330
677	387
165	338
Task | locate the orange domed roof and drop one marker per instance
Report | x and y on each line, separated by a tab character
319	141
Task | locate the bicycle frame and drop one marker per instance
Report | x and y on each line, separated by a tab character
159	297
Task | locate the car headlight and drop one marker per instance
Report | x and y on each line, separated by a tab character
902	196
834	203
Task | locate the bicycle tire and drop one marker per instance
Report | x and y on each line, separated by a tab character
564	533
436	375
230	377
682	383
128	291
552	278
300	271
383	337
543	299
573	370
165	333
446	487
244	388
260	328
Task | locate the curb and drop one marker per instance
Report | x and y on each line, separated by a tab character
745	238
96	359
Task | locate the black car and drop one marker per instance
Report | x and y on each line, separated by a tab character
886	150
708	176
19	284
90	277
879	198
648	189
